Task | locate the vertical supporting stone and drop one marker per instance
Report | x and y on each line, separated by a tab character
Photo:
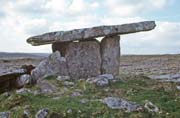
61	47
110	54
83	59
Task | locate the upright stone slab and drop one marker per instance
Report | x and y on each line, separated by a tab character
110	54
83	59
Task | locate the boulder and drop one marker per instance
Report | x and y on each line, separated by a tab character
23	80
83	59
53	65
90	33
110	54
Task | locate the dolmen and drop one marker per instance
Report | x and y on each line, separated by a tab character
78	54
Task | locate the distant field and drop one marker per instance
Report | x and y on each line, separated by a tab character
129	64
16	55
150	64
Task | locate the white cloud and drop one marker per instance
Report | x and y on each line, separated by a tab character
163	39
31	17
126	8
36	26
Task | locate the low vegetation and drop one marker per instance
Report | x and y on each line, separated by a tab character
86	104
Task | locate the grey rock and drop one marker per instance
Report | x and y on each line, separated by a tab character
23	91
53	65
98	81
102	82
75	94
24	80
151	107
66	83
178	87
118	103
6	94
90	33
166	77
26	114
43	113
46	87
106	76
63	78
84	101
110	54
69	111
83	59
4	114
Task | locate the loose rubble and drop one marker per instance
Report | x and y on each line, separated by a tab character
119	103
4	114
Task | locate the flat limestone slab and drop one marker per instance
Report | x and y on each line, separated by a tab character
90	33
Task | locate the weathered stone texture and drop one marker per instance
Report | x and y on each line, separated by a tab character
53	65
90	33
83	59
110	54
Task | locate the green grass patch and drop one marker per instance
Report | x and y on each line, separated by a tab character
133	88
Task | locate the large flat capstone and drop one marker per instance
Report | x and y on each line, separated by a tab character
90	33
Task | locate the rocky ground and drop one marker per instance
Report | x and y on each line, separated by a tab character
133	94
150	64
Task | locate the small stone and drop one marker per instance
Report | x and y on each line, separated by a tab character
66	83
102	82
84	101
43	113
118	103
69	111
26	113
4	114
178	87
23	91
151	107
75	94
63	78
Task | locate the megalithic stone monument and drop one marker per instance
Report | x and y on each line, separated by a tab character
87	57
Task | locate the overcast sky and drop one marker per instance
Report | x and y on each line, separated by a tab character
20	19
